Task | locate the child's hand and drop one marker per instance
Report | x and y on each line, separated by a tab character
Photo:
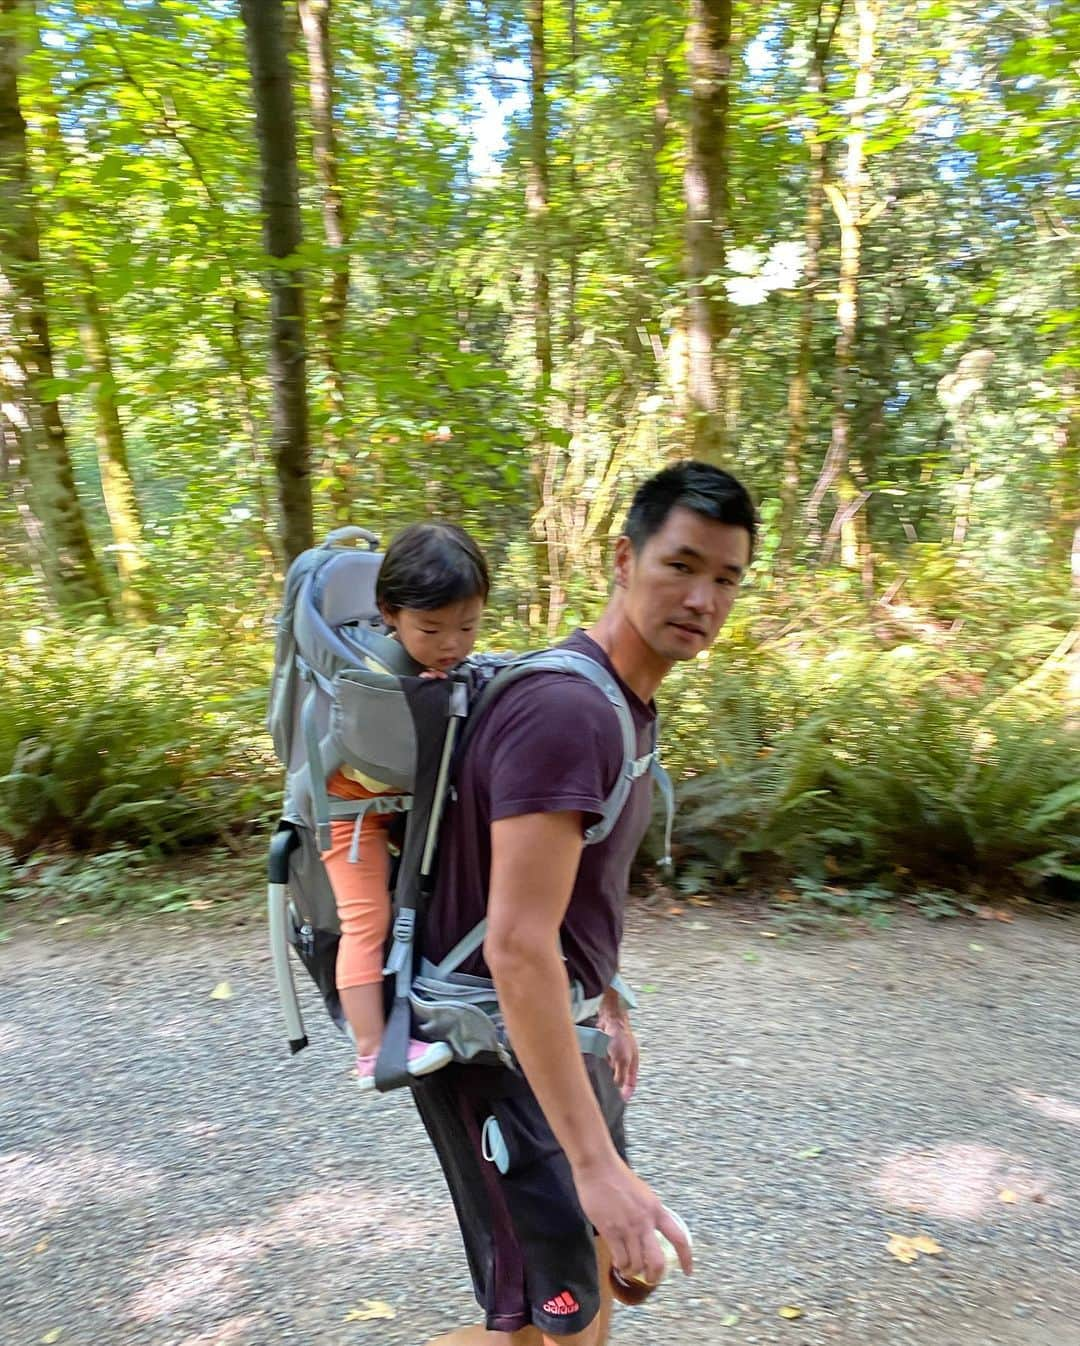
434	673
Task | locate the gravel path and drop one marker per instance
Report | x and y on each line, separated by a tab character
169	1178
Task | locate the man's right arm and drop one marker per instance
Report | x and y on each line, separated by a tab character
534	860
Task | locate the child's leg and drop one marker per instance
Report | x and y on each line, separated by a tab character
361	889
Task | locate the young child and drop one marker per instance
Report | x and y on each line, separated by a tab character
431	589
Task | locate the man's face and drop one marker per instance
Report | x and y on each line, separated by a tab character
679	589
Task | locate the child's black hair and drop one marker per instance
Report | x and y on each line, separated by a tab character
431	565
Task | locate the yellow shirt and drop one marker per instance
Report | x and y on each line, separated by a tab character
377	787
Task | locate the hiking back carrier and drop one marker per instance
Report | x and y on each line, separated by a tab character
345	693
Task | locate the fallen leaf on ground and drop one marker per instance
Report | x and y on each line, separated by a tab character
769	934
1008	1196
50	1337
790	1312
907	1250
901	1249
369	1310
40	1247
730	1320
975	948
222	991
812	1152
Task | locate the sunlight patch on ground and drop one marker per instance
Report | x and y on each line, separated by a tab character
12	1037
34	1184
1057	1109
351	1211
957	1182
207	1271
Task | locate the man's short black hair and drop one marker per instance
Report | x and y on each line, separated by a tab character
707	490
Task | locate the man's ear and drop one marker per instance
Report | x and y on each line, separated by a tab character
624	559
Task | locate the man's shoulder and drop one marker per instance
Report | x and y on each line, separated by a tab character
553	698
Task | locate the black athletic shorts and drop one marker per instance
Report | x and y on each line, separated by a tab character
530	1248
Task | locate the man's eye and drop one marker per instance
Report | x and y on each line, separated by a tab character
681	567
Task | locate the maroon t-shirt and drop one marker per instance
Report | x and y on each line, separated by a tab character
551	742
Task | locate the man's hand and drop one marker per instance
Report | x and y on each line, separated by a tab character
624	1054
626	1213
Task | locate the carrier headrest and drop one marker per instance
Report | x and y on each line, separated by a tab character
344	588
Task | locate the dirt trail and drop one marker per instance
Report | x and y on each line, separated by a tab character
168	1177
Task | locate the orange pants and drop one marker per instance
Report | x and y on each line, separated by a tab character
361	888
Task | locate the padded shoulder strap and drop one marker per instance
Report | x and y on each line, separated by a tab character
580	665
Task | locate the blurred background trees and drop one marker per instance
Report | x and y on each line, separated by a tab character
267	267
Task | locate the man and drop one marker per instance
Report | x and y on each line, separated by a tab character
545	1221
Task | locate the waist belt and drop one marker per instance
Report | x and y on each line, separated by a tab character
463	1011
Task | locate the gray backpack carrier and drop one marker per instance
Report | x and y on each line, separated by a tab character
345	693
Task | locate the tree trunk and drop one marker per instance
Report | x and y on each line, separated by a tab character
315	19
706	189
117	486
74	576
838	471
546	455
275	128
1065	498
263	533
798	403
13	454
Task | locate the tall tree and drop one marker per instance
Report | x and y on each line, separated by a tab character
546	464
72	568
275	128
798	403
121	502
315	21
707	211
840	469
71	232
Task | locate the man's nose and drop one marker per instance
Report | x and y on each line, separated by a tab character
702	596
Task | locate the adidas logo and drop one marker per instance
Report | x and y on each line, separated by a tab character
562	1305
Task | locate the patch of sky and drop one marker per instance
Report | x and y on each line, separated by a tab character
761	56
758	273
956	165
496	100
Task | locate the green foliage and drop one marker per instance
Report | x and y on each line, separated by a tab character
861	788
148	738
861	744
857	763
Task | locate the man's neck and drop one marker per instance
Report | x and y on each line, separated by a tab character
640	667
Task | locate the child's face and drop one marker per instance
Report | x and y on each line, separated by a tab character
439	638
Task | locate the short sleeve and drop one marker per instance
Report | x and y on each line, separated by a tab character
555	745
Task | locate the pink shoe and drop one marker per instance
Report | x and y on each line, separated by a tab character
424	1057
